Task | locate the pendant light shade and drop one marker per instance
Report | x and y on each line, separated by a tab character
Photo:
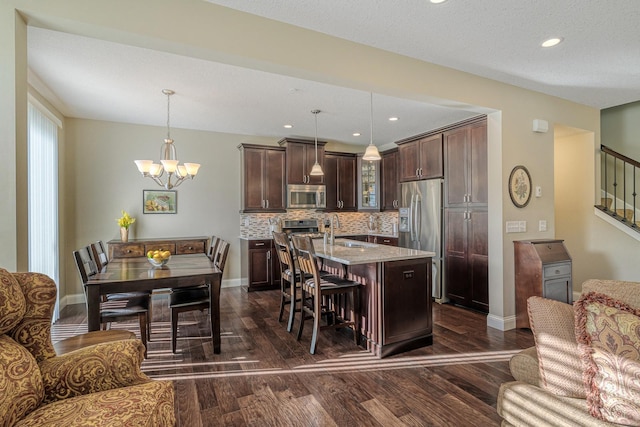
316	170
371	153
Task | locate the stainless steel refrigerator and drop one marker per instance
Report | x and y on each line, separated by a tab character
420	225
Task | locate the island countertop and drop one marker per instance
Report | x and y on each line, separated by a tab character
354	252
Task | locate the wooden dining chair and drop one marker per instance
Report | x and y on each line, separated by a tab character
194	298
113	310
100	258
318	295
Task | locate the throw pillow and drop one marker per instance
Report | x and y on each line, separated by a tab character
608	334
552	324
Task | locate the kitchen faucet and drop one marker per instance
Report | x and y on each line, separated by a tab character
335	222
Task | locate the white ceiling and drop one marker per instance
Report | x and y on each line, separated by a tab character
597	65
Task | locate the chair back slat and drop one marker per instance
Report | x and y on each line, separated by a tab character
99	254
213	247
85	264
221	256
307	260
284	251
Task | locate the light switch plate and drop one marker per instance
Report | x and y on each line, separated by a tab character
542	225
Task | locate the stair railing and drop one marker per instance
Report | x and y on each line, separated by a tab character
618	171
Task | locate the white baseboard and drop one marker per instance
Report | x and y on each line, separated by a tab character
501	323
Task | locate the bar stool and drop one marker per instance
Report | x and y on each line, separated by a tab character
289	277
315	289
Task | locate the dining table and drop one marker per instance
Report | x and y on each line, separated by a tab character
137	274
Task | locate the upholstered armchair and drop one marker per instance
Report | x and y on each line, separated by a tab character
100	385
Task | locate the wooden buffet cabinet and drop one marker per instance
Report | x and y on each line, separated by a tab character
140	247
542	268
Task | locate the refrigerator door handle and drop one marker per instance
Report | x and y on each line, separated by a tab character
411	230
418	217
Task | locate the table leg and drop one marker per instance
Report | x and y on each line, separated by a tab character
93	308
214	310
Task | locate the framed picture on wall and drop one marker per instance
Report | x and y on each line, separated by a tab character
159	201
520	186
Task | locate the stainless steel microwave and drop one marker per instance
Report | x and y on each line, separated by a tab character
306	196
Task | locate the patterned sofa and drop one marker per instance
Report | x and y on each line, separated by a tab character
100	385
549	389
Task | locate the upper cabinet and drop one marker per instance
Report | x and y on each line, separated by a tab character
466	166
263	184
340	179
301	156
421	158
368	185
390	180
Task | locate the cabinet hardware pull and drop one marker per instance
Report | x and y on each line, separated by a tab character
260	244
417	174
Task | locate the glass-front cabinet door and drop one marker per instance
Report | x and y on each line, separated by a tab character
368	185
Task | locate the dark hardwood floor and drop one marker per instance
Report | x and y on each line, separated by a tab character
264	377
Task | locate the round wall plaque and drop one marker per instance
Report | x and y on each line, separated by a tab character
520	186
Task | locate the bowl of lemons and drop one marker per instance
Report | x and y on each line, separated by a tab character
158	258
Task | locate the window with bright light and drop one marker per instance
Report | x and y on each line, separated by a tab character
42	164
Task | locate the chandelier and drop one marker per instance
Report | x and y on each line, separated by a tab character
168	160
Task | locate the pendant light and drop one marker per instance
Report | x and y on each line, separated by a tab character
316	170
371	153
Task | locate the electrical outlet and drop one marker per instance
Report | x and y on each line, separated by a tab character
542	225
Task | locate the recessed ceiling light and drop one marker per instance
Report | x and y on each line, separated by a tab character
356	134
437	1
393	119
551	42
288	126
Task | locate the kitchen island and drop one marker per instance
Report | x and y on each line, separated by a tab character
395	301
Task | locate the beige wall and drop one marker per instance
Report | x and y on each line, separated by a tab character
621	129
211	32
598	250
101	173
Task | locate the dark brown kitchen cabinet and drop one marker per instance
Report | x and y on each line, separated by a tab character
301	156
340	179
263	178
465	215
390	180
421	158
466	257
466	180
259	264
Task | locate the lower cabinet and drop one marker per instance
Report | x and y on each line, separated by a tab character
466	257
260	264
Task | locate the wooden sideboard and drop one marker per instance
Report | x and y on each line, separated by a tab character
175	245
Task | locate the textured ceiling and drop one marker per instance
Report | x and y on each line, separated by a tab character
596	65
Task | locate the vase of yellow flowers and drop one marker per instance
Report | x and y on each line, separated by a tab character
125	222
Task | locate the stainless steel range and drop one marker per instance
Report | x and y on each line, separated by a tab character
302	227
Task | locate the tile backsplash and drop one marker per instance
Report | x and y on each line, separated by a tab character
256	225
